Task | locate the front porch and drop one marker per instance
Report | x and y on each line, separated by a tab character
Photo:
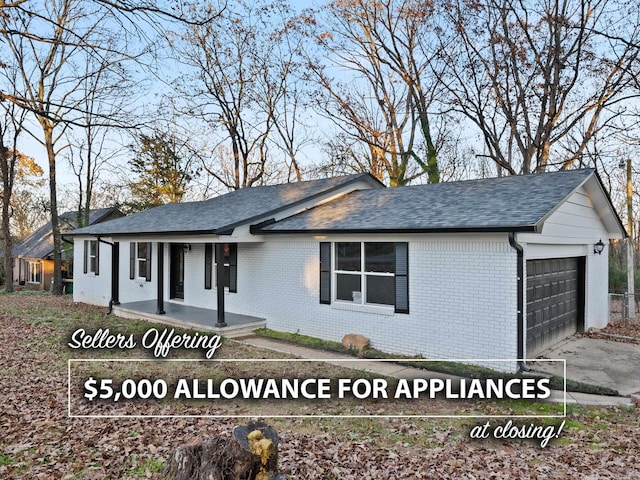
185	316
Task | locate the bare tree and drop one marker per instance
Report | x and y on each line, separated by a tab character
47	41
104	90
284	94
240	83
11	123
384	86
532	75
45	50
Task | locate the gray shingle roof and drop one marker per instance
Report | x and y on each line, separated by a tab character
223	213
495	204
40	243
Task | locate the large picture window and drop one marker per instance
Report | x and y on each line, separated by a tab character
364	272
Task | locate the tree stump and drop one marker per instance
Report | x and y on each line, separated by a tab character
250	454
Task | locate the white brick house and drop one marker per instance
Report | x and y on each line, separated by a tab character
496	268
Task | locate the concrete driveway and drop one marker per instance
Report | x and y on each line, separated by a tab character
604	363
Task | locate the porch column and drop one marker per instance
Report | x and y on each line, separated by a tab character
220	284
115	273
160	308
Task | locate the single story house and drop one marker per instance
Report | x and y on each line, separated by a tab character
497	268
33	256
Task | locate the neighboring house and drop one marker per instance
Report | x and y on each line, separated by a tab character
33	256
479	269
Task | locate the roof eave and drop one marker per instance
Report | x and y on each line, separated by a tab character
258	229
625	234
79	233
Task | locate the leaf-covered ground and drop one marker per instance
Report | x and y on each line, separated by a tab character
39	440
619	331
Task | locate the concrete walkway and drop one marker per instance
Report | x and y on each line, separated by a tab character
394	370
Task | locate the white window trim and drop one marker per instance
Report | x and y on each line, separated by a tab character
92	270
363	304
370	308
141	274
32	273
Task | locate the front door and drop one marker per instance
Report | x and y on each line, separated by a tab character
176	283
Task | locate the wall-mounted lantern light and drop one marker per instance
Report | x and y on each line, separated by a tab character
186	247
598	247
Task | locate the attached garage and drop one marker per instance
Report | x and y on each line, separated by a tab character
555	301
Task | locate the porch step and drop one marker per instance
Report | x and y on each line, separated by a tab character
230	331
241	331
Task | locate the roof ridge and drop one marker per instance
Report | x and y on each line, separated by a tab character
504	178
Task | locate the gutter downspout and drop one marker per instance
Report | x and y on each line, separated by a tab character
520	274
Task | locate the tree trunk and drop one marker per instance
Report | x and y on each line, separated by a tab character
6	232
55	224
8	249
252	454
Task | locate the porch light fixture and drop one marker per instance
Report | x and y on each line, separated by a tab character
598	247
186	247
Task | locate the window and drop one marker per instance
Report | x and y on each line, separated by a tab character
229	260
91	257
140	260
364	272
93	247
34	272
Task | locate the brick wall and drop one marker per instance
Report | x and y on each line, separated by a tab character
462	297
88	287
462	294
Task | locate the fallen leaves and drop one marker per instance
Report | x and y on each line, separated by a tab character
619	331
39	440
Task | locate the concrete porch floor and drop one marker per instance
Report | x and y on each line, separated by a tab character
186	316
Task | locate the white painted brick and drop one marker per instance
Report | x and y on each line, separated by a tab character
462	294
87	287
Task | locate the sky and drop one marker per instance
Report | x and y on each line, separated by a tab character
66	180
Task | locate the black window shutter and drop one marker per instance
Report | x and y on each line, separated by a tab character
86	255
402	277
208	265
233	268
132	260
325	272
148	275
97	272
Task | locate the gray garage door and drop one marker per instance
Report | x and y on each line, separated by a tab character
555	301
